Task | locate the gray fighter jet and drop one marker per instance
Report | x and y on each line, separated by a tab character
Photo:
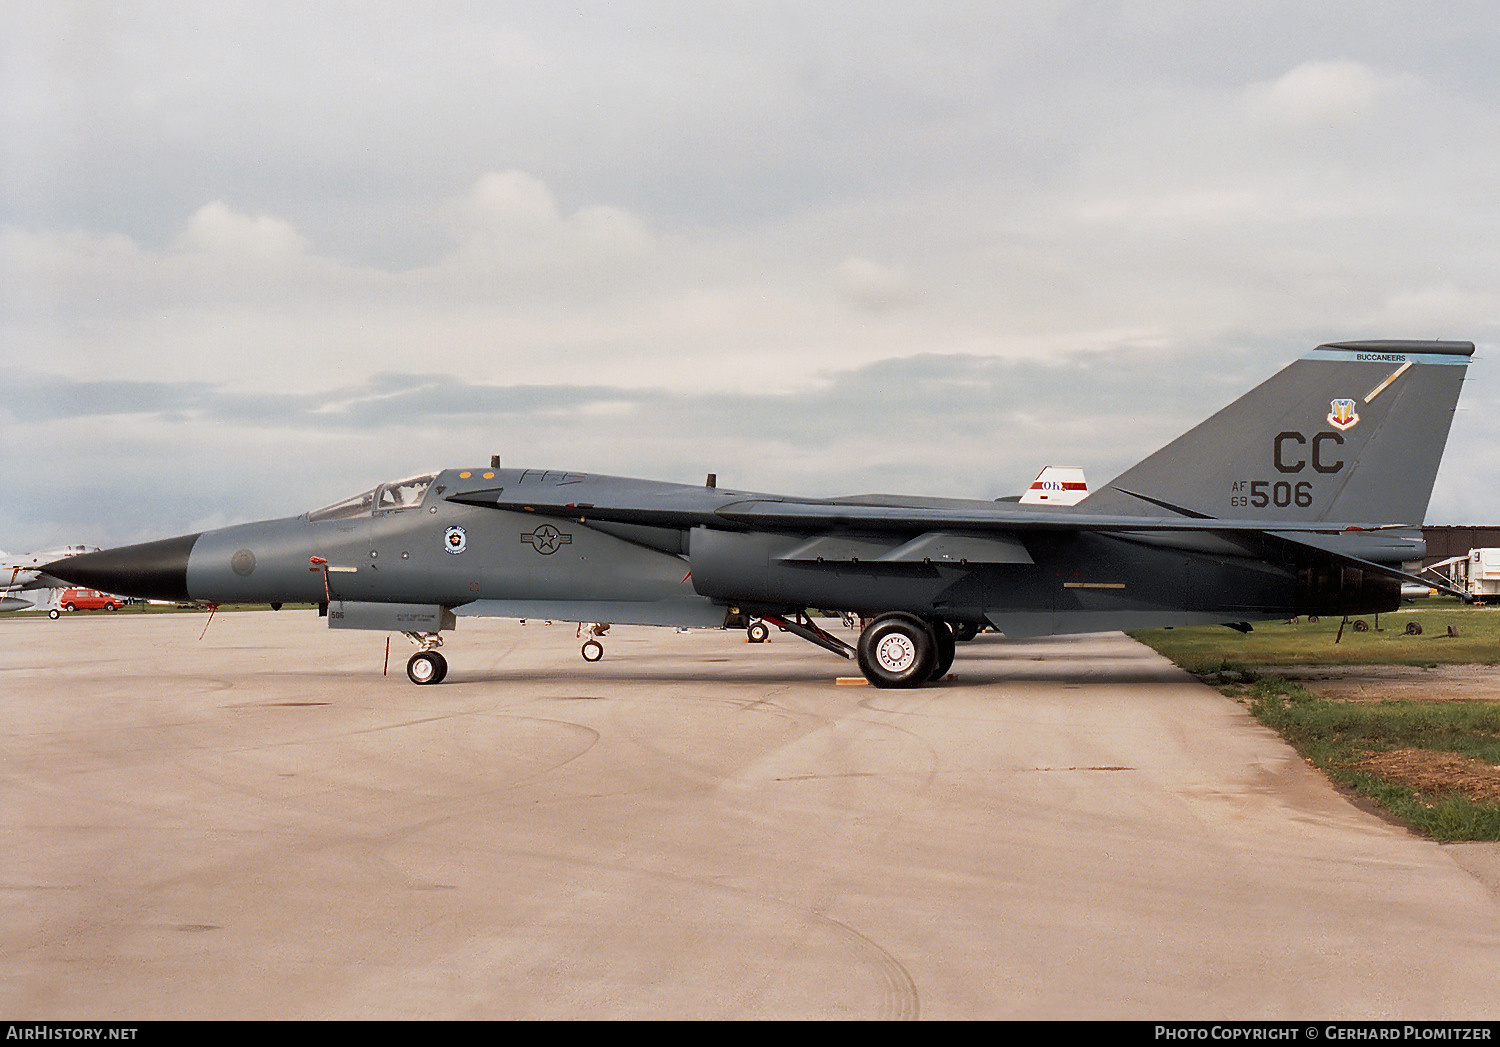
1303	497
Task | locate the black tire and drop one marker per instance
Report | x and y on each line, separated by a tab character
758	632
1413	628
897	650
426	667
70	608
1361	626
943	650
111	607
54	613
592	650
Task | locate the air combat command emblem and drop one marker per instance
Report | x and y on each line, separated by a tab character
1341	414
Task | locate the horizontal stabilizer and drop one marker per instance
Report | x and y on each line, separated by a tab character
1368	566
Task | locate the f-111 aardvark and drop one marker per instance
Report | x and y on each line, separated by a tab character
1305	496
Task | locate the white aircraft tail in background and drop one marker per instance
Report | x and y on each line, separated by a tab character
1057	485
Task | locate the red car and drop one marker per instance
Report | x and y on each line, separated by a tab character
87	600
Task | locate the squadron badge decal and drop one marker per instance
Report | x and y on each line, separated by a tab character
454	540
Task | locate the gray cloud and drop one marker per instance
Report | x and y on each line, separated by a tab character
254	256
172	455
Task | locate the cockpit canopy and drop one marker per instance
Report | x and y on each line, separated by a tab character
389	497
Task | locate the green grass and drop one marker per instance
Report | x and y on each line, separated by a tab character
1305	642
1339	736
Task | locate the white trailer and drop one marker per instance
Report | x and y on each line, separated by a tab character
1476	573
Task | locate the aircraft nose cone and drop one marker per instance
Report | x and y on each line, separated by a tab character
151	570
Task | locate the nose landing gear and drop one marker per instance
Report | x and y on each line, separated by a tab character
592	649
427	666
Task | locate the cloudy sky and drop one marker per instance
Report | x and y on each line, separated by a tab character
257	256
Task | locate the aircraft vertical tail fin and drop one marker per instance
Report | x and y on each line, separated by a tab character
1351	432
1057	485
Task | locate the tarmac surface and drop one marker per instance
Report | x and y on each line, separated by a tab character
258	824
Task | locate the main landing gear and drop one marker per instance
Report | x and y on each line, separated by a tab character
902	650
895	650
